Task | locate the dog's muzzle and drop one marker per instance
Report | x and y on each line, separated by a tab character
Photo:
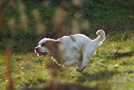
39	53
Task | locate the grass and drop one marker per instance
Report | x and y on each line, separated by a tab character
29	70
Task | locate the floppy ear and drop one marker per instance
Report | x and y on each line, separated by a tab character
58	44
53	45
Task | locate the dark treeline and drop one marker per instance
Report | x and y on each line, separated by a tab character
25	22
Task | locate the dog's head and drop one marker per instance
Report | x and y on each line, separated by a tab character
48	46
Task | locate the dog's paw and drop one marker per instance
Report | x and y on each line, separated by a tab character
80	70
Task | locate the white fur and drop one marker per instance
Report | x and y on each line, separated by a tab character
77	52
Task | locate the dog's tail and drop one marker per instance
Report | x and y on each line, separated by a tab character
101	37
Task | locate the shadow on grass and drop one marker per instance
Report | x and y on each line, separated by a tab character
102	75
63	86
121	55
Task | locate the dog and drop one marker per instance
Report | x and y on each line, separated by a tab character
74	50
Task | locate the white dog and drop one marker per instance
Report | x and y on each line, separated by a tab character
74	50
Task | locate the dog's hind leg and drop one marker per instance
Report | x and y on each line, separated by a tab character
84	61
69	63
82	66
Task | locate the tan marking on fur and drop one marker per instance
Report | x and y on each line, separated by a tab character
53	47
49	45
73	39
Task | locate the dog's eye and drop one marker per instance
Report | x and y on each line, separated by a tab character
42	44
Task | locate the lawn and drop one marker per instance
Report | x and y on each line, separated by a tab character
111	68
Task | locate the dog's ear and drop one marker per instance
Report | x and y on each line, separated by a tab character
58	44
54	45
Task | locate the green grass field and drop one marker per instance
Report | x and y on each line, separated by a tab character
29	70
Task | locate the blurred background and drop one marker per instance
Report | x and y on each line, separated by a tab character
24	22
